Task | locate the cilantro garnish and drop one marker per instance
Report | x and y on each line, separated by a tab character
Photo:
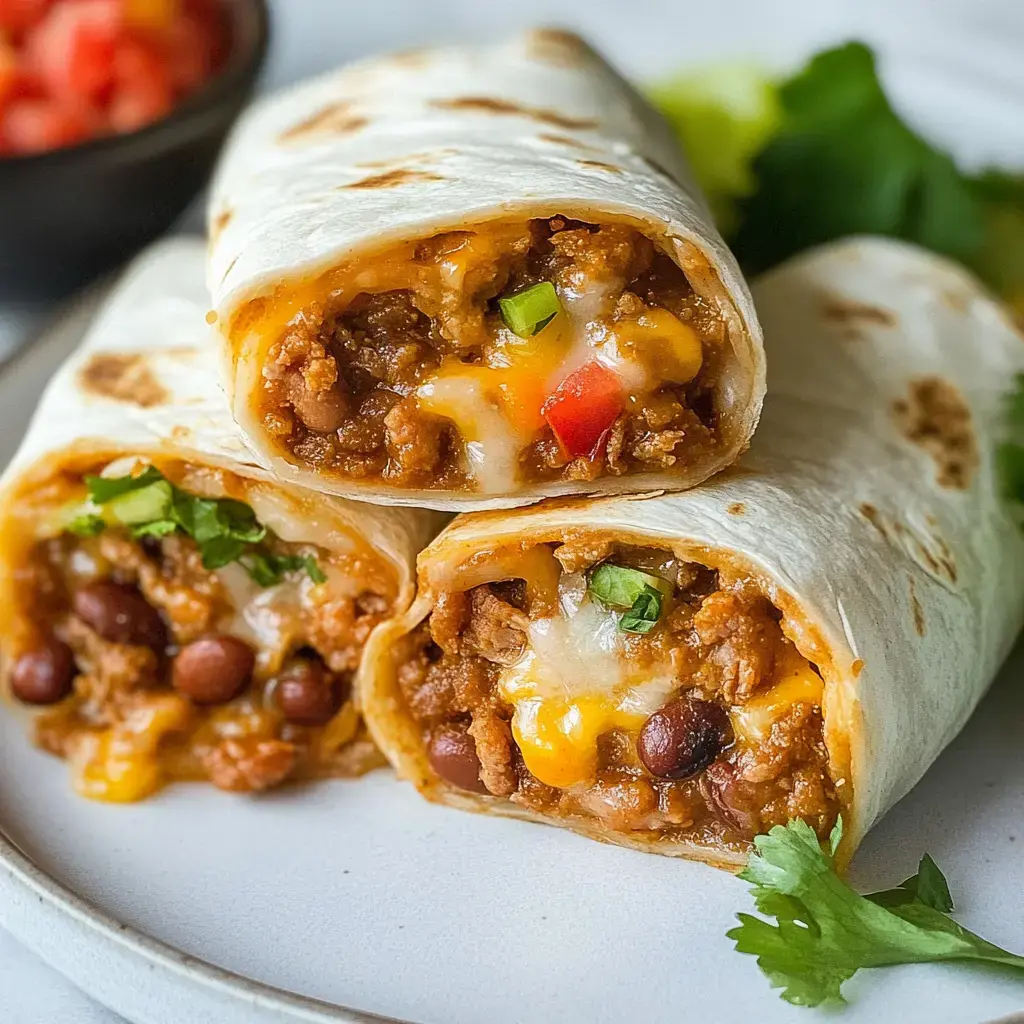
821	155
1010	453
225	530
824	931
637	592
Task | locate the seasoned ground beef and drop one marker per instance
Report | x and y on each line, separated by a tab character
339	383
723	643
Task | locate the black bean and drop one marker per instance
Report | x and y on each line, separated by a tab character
683	738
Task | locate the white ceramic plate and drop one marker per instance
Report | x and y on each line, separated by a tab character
361	895
203	908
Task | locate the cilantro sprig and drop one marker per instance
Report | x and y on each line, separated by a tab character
639	594
225	530
824	931
823	154
1010	453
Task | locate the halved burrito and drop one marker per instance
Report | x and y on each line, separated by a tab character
176	612
471	278
799	638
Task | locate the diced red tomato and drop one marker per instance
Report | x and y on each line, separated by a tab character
73	48
583	408
8	72
154	16
142	85
73	69
38	125
193	50
18	16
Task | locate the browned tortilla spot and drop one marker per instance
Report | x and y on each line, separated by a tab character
600	165
939	562
737	508
848	313
180	433
421	158
488	105
415	57
566	140
915	605
935	417
124	377
390	179
557	46
220	222
334	119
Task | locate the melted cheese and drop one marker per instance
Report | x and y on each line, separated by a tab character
796	682
573	685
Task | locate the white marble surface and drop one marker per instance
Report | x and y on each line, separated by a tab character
647	37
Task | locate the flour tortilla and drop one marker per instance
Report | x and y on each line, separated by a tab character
145	382
537	126
869	508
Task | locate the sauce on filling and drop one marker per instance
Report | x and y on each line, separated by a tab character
153	668
406	372
707	726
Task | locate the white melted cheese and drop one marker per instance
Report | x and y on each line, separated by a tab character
572	685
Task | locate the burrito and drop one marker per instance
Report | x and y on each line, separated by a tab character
472	278
799	638
172	610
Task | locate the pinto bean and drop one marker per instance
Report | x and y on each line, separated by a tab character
120	614
213	670
683	738
45	674
452	754
307	693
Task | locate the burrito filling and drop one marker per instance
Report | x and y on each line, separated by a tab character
480	360
182	623
622	686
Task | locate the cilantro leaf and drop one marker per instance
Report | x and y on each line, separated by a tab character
824	932
1010	452
640	594
842	163
87	525
644	613
268	569
103	489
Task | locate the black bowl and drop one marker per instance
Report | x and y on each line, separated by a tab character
70	214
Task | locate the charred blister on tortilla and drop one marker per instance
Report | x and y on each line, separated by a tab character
172	635
508	353
624	686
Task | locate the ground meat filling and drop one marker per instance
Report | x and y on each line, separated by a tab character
339	384
684	772
137	655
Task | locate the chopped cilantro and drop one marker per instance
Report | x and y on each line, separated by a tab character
225	530
87	525
637	592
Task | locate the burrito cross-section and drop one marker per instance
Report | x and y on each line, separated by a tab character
798	638
477	277
171	611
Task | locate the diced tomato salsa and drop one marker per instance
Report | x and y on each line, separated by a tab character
72	70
